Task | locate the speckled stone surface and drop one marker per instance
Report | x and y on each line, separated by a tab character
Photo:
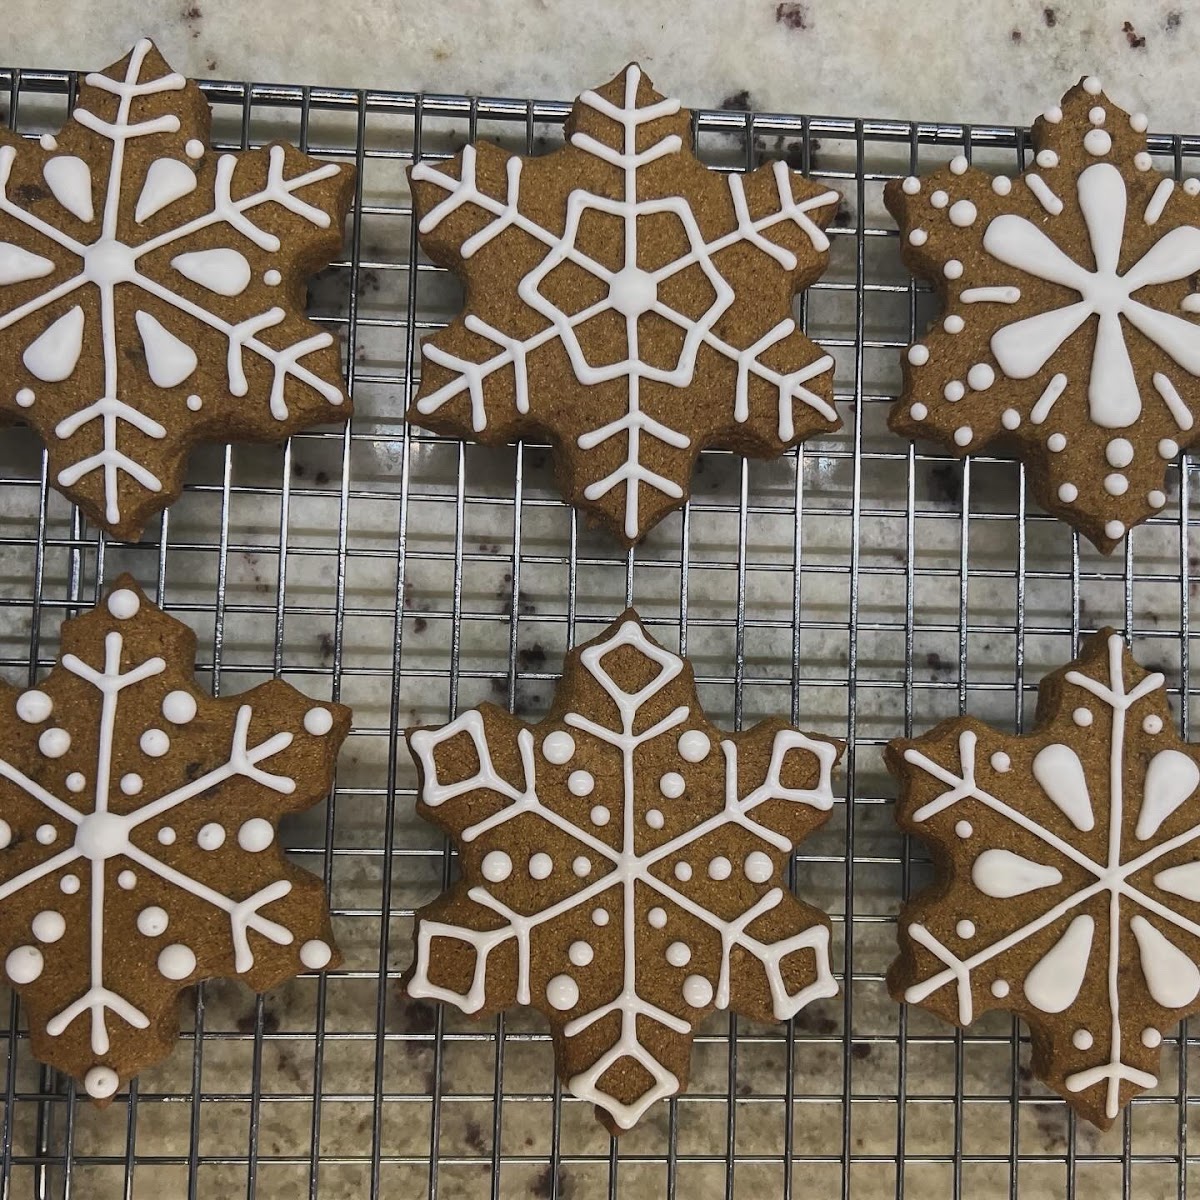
394	540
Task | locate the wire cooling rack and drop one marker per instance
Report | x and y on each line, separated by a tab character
864	587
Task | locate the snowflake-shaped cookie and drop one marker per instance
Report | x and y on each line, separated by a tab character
1068	885
623	869
152	291
626	302
1069	330
138	848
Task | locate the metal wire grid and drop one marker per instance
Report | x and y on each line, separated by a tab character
864	586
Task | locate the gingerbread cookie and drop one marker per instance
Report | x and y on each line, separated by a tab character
625	302
624	869
1069	333
1068	876
138	849
152	290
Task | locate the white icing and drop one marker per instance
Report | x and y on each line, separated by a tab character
176	961
911	185
1116	484
965	929
1001	762
49	926
5	835
18	264
34	707
101	1082
166	836
1046	158
1154	209
1060	773
672	785
211	836
194	148
315	954
654	818
954	391
963	213
1097	142
582	866
679	954
562	992
580	954
1183	880
1003	874
1155	498
169	360
1097	115
963	829
918	237
46	835
272	278
981	377
558	747
154	743
25	397
1152	723
1151	1037
918	412
1082	1039
599	815
1142	161
954	323
104	263
540	865
131	784
152	921
167	180
1053	983
758	867
719	868
1056	443
1045	197
178	707
1119	452
318	721
24	964
496	866
1092	86
1168	449
939	199
1082	717
1049	397
629	873
963	435
54	743
1010	418
127	881
958	165
1002	185
918	355
1000	988
255	835
1114	530
194	403
69	884
1171	778
581	783
221	270
1171	977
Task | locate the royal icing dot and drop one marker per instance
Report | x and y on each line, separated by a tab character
152	921
34	707
1002	185
694	746
963	829
939	199
697	991
558	747
1142	161
954	391
101	1082
981	377
1082	1039
318	721
599	815
758	866
127	881
1168	448
918	237
211	836
672	785
46	834
1082	716
582	867
166	836
1119	452
1097	142
540	865
69	884
600	916
1151	1037
272	278
48	925
1116	484
581	783
911	185
580	954
654	818
965	929
1192	186
194	148
5	835
1156	499
1153	724
154	743
918	355
54	743
1139	122
1010	418
918	412
562	992
719	867
24	964
1046	158
1056	443
963	213
176	961
958	165
952	269
25	397
1114	530
1001	762
963	435
683	871
194	403
1000	988
179	707
656	917
123	604
1092	86
1053	114
255	835
48	141
954	323
131	784
315	954
1068	493
679	954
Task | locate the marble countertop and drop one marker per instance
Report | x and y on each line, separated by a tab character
941	60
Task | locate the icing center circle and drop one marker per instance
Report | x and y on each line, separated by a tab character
632	291
108	262
102	835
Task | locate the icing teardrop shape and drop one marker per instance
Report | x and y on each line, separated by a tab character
1060	773
1171	977
166	181
70	179
54	354
1056	978
1183	880
1171	778
17	264
222	270
1001	873
168	360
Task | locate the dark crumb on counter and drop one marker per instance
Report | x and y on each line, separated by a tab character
420	625
543	1184
1050	17
28	193
416	1016
948	480
270	1024
532	658
1173	19
1015	37
1135	39
326	646
191	13
934	661
737	102
474	1138
792	16
841	218
860	1050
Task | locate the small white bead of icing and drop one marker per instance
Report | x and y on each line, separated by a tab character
540	865
166	836
599	815
123	604
694	746
758	866
1097	142
152	921
683	871
963	435
1001	762
981	377
918	237
1082	1039
654	818
719	868
1068	493
562	992
918	355
318	721
918	412
657	918
176	961
1010	418
211	836
911	186
46	834
496	866
5	835
1082	716
1114	530
255	835
154	743
131	784
600	916
954	391
24	964
25	397
194	148
315	954
1056	443
127	881
697	991
965	929
581	783
1168	448
1000	988
672	785
1153	724
1151	1037
1002	185
34	707
963	213
48	925
69	884
54	743
101	1082
1156	499
580	954
679	954
558	747
179	707
958	165
952	269
963	829
954	324
582	866
1119	452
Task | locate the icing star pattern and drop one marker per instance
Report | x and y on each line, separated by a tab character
1069	890
1076	278
633	283
145	308
138	849
623	903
